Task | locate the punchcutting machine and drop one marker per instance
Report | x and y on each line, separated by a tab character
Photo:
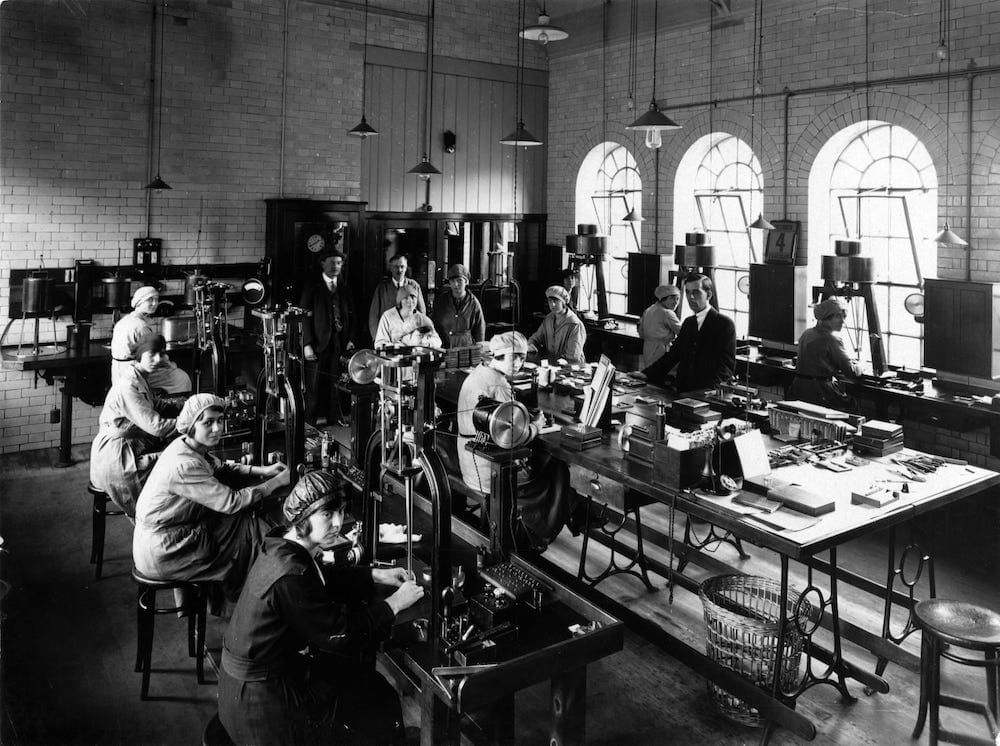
493	627
279	385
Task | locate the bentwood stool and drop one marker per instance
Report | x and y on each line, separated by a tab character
101	512
955	624
195	604
215	733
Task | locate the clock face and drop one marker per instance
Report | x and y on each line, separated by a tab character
315	243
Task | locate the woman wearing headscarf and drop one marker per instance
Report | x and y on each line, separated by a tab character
821	358
659	324
129	330
544	499
133	428
298	655
562	334
404	324
190	523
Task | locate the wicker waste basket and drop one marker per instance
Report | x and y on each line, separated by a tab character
741	614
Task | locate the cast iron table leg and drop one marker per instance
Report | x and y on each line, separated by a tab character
569	708
66	424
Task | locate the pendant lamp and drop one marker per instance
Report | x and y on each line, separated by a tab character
761	223
543	32
362	129
425	169
158	183
947	236
520	136
654	122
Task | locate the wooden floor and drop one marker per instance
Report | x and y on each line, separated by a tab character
68	641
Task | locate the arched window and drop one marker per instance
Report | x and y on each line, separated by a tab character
875	182
608	186
718	191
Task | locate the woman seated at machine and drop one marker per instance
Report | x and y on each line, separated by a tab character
133	428
544	497
405	325
562	334
269	691
133	327
190	523
821	357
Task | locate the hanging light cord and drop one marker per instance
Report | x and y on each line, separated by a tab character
428	91
364	66
518	98
656	31
945	24
159	97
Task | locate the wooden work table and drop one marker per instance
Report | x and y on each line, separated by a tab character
814	543
938	403
70	365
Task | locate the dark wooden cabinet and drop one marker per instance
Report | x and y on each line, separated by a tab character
961	327
643	278
779	302
291	223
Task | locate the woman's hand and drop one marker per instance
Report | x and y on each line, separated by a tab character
407	595
271	471
394	576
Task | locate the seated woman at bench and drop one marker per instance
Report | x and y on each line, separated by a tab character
134	428
269	691
562	334
545	501
403	324
193	520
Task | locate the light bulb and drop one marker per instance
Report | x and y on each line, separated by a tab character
543	38
942	51
653	139
424	177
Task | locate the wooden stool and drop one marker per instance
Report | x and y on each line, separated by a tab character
100	513
215	733
946	624
195	603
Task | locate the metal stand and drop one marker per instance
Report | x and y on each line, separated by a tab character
861	290
36	349
281	380
396	460
211	334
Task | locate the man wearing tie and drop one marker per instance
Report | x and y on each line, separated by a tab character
385	292
705	349
326	334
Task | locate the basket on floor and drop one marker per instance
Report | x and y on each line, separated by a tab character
741	616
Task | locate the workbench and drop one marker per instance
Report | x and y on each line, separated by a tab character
807	544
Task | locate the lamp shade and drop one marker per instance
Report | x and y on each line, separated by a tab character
633	216
949	238
653	119
158	183
362	129
543	32
425	169
762	223
521	136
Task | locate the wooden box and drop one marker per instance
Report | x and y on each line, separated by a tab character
676	469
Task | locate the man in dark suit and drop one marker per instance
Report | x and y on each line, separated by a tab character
705	349
326	335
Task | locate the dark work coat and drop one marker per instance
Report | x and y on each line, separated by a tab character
269	693
328	313
704	358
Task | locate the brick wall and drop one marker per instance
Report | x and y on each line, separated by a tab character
807	45
255	105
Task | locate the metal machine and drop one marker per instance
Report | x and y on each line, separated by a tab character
398	457
587	250
279	385
848	275
211	334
